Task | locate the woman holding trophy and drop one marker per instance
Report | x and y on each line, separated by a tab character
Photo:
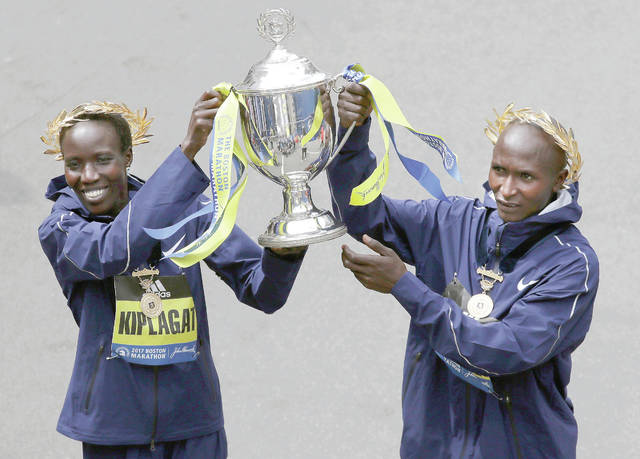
144	383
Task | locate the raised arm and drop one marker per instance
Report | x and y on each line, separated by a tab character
81	248
393	222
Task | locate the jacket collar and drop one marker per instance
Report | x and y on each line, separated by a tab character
58	191
563	210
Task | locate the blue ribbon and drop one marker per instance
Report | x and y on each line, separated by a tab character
210	208
418	170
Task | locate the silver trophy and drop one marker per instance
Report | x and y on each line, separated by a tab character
292	133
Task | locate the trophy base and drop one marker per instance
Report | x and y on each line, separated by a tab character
296	230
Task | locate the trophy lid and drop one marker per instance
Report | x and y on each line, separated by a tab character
280	70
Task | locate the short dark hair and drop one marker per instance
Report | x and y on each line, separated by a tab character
116	120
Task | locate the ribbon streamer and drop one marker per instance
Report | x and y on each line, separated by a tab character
387	112
225	157
225	151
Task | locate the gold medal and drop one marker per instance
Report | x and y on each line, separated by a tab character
151	304
480	306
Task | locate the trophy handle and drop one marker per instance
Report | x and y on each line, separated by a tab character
338	89
335	152
333	81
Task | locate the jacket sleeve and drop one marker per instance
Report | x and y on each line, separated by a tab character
553	317
259	277
403	225
80	250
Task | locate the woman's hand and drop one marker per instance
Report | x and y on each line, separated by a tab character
201	122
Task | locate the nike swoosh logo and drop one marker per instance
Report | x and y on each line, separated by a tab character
522	285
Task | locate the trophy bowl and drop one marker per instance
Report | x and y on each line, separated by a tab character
288	122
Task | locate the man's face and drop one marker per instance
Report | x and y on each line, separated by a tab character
526	171
95	168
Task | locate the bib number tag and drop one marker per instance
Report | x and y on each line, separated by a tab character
154	328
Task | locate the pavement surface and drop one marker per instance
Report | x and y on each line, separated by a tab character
322	377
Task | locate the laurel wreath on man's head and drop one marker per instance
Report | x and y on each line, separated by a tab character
138	123
563	138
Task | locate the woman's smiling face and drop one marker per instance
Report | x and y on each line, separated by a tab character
95	167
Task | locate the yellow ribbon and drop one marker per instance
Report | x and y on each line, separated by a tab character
224	147
225	211
371	188
386	108
318	116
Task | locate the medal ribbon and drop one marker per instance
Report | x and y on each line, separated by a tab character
387	112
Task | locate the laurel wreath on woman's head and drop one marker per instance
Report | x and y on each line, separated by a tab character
563	138
138	123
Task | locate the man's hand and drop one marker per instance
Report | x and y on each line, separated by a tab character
376	272
201	122
354	104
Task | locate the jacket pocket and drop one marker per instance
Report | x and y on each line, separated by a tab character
92	378
412	369
512	423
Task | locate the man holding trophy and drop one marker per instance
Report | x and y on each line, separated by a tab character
503	291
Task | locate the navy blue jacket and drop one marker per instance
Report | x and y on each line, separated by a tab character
110	401
542	311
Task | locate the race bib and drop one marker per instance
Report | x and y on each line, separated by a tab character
155	324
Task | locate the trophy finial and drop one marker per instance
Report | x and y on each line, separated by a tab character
276	25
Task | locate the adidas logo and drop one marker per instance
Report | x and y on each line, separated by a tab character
159	289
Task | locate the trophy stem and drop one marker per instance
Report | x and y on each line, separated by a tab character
297	199
301	222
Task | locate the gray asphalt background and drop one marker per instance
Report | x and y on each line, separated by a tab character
322	377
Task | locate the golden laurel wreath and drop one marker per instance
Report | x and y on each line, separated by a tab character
563	138
138	123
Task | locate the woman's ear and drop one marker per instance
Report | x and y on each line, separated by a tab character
128	157
560	179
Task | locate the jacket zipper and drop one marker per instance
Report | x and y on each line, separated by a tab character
498	252
416	359
93	378
467	408
516	441
207	375
152	445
